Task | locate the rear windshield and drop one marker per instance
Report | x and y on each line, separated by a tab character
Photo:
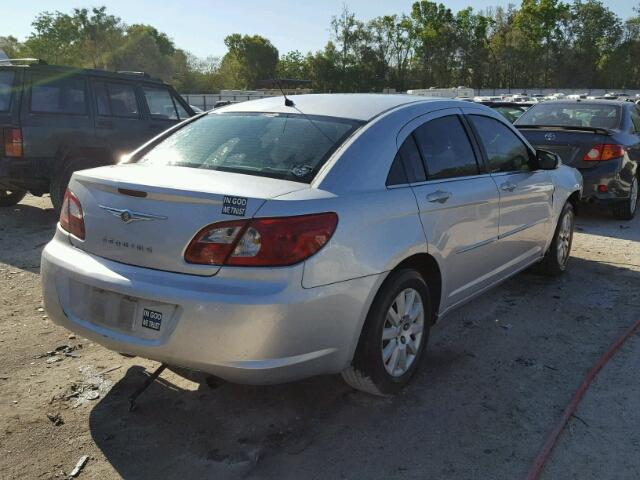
510	113
6	84
574	115
284	146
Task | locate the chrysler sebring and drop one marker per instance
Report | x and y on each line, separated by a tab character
277	239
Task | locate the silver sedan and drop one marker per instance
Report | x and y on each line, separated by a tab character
273	240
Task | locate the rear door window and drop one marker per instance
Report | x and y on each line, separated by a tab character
162	105
505	151
446	148
58	94
116	100
6	86
407	166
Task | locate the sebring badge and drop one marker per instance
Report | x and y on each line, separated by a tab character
550	136
128	216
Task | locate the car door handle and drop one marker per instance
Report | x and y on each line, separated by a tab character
438	196
508	186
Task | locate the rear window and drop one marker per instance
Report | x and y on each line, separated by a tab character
574	115
6	84
285	146
510	113
65	95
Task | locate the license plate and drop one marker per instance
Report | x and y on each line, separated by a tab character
151	319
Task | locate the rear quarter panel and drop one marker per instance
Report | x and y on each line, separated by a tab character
376	231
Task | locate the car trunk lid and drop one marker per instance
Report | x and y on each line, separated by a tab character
571	143
146	216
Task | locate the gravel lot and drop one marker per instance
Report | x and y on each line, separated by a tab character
497	376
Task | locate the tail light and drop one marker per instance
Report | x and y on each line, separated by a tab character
71	216
12	142
603	152
262	242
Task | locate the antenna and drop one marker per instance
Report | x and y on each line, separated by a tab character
287	102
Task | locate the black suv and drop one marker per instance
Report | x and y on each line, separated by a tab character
56	120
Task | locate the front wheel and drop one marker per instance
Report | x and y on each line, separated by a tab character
555	260
394	336
9	198
626	210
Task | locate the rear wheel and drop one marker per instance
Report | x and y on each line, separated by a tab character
556	259
394	335
626	210
9	198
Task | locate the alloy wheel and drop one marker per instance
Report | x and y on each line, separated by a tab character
633	196
564	238
402	332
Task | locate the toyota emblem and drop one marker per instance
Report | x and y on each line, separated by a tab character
550	136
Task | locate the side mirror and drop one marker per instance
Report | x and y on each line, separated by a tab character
547	160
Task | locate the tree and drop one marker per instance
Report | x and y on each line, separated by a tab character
250	58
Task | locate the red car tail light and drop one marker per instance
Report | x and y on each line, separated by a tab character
602	152
262	242
13	142
71	216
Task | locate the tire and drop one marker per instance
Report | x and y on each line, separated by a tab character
627	210
61	179
557	257
9	198
369	371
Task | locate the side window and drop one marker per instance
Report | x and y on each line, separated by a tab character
116	100
58	95
446	148
505	151
635	119
160	103
407	165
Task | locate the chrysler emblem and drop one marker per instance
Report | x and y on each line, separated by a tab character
550	136
128	216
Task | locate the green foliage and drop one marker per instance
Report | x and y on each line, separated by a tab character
542	43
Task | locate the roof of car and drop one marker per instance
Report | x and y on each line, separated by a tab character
357	106
87	71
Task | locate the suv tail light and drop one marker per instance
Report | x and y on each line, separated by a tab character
602	152
262	242
13	142
71	216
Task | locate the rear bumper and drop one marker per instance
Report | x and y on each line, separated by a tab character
256	327
610	173
24	174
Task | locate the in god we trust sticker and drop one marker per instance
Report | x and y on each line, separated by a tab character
234	206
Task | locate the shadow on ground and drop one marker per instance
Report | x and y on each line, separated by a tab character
497	376
30	227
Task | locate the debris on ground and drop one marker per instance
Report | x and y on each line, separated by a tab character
56	419
92	386
60	352
79	466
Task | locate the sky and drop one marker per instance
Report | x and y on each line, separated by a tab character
200	26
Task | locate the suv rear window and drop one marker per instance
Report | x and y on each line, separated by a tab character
285	146
58	95
6	84
554	114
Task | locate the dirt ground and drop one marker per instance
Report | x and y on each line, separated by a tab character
497	376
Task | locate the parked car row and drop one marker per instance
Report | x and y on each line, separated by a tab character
277	239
